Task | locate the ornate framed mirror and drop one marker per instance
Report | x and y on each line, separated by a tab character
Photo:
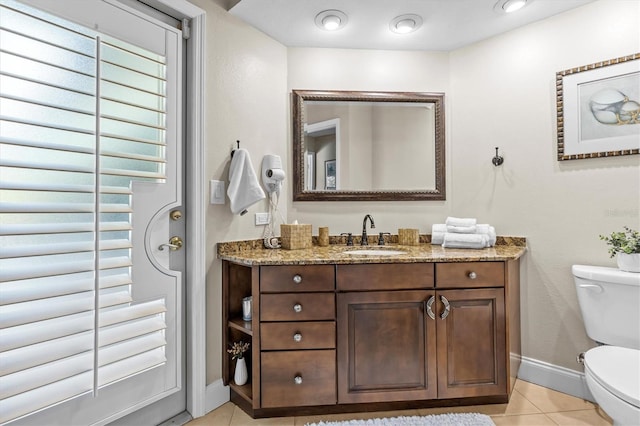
368	146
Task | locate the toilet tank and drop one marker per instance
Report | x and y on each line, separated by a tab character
610	303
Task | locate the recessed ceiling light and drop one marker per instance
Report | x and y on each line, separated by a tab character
405	24
509	6
331	20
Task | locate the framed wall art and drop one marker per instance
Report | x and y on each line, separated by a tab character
598	109
330	174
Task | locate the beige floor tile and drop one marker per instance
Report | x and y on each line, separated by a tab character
518	404
551	401
581	417
240	418
523	420
220	416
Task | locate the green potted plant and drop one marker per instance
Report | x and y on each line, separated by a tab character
626	247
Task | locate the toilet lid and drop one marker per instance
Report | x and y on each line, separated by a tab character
617	369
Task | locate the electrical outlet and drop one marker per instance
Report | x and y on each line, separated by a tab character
262	218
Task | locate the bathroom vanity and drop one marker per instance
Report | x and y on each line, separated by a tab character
337	332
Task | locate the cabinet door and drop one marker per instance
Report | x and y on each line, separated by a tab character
471	343
386	347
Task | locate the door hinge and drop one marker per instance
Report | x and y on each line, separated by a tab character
186	29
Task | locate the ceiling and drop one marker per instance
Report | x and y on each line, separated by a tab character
447	24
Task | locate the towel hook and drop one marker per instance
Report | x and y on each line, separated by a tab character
497	160
232	151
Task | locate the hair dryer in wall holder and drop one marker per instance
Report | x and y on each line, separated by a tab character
272	173
272	177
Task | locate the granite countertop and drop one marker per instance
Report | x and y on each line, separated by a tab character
252	253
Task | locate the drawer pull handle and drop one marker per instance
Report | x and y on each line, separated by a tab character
297	337
297	279
297	308
473	275
297	380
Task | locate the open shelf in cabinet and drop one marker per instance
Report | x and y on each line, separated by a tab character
241	325
245	391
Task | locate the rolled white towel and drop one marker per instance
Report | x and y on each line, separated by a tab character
460	221
472	241
462	229
437	233
491	240
489	231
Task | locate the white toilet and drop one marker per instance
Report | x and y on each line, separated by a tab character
610	304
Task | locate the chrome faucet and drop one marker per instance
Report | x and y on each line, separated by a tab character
364	240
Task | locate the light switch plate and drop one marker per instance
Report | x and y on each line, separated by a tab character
216	189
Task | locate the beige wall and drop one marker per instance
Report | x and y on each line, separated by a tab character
503	94
246	100
500	92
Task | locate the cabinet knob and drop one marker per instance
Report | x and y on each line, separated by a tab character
297	279
297	337
473	275
297	307
297	380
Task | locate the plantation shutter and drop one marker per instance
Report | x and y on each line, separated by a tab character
82	115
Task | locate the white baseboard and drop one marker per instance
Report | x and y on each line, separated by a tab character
216	394
554	377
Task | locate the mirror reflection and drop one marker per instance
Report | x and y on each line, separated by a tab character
368	146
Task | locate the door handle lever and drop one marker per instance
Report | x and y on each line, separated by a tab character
175	243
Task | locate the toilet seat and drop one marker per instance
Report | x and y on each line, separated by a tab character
616	369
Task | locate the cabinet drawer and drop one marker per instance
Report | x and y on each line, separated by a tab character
470	274
298	335
297	307
292	278
298	378
387	276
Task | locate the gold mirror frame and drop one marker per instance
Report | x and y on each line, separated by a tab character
300	194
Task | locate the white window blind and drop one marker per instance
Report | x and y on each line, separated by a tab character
81	116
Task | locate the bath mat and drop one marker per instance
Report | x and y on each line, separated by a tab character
454	419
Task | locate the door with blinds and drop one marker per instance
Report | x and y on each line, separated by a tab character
90	198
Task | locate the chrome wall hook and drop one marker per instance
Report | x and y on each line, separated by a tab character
497	160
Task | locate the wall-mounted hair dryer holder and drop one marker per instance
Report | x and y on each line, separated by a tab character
272	173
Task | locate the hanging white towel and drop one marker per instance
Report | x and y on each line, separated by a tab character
244	189
472	241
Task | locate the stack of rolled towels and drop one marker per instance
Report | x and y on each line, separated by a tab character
459	232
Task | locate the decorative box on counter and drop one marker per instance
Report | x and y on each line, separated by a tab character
408	237
295	236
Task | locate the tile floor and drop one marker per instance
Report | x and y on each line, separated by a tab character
529	405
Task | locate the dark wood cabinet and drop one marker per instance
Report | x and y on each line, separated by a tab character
352	337
386	347
471	343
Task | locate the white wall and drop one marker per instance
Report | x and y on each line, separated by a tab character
246	100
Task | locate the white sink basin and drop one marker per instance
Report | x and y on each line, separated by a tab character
374	252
